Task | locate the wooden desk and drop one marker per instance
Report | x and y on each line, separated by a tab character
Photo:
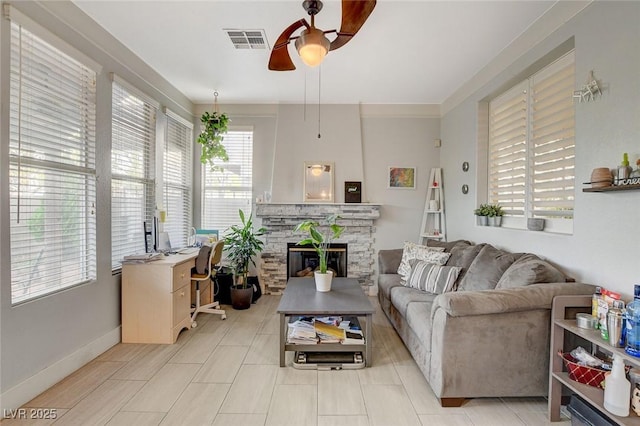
156	299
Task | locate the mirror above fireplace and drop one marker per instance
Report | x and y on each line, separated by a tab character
318	181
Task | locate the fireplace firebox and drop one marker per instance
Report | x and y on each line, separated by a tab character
302	260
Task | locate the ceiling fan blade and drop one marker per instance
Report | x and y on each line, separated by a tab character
354	15
280	59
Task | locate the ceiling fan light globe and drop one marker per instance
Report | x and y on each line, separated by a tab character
312	46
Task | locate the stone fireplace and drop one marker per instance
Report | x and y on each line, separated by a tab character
281	219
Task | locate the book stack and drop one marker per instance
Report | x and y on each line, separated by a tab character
310	330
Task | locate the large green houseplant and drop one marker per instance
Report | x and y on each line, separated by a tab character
214	126
242	244
320	242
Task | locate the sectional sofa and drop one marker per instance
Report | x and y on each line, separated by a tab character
489	335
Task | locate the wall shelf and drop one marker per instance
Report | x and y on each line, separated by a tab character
612	188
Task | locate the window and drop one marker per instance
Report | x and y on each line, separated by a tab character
532	148
177	179
132	170
51	168
230	189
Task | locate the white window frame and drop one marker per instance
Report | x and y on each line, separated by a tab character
521	100
52	148
131	239
233	193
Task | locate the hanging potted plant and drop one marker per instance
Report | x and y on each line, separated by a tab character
241	244
320	243
214	126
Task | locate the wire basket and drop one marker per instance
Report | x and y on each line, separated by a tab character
582	374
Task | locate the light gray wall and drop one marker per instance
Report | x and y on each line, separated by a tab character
601	249
362	141
40	333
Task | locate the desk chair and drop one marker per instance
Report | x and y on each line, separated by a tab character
215	256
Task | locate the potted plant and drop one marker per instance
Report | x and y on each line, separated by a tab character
495	214
320	243
214	126
241	244
482	214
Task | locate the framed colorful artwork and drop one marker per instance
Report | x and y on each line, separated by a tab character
401	178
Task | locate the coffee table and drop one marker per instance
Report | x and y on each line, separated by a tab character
346	298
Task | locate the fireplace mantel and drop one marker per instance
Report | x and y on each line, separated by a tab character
280	219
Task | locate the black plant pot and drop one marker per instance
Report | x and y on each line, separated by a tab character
241	297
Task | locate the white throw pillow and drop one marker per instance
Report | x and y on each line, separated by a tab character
432	278
415	251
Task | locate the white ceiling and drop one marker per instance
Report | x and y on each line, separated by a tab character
408	52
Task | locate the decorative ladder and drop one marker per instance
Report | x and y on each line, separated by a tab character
433	225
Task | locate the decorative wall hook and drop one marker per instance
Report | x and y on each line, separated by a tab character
588	91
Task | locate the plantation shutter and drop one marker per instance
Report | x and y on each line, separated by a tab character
52	191
553	140
508	150
132	169
177	178
230	189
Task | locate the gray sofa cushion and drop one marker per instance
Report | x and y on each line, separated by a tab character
463	256
402	296
386	282
418	318
529	269
448	245
487	269
389	261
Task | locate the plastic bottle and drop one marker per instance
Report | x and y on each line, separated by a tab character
624	170
632	346
594	305
617	389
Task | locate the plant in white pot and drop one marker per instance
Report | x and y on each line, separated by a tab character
320	243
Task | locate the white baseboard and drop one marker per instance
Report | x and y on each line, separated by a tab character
44	379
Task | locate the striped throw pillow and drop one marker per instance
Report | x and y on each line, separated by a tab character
432	278
415	251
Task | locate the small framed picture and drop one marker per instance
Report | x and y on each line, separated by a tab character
353	192
401	178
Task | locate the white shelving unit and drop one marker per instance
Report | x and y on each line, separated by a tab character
433	224
558	379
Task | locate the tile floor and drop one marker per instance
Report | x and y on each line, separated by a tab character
226	373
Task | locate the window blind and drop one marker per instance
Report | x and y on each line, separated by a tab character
553	141
52	128
177	178
532	146
508	150
132	170
230	189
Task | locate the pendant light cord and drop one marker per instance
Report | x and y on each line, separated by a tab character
319	91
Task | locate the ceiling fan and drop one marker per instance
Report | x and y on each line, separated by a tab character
312	44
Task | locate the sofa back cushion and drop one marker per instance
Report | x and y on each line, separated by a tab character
530	269
432	278
462	256
389	261
448	245
487	268
416	251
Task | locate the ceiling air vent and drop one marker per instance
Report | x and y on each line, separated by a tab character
248	39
